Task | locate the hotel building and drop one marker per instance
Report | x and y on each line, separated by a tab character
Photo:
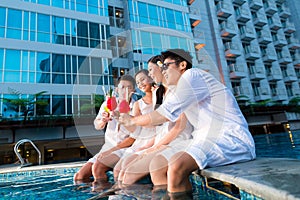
58	55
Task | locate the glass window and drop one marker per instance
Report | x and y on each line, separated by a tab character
43	27
32	26
83	65
1	58
14	24
58	30
179	21
173	42
96	66
81	5
82	33
58	3
170	18
143	13
25	61
58	63
183	43
13	60
153	16
58	105
93	6
85	104
74	68
2	21
41	108
94	35
12	76
26	25
43	62
69	105
45	2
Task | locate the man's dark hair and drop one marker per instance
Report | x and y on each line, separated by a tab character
178	55
127	77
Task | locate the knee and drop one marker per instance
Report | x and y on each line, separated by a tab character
158	163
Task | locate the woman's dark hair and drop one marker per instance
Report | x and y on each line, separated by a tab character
178	55
155	59
127	77
144	71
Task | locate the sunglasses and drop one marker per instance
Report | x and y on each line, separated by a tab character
166	65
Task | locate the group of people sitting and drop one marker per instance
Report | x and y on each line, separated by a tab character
186	120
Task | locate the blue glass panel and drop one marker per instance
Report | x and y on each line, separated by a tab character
179	21
83	65
43	62
25	60
58	105
14	19
13	60
12	77
24	77
32	35
153	16
13	33
96	66
143	13
174	42
42	77
43	23
156	40
58	3
69	104
2	32
58	63
32	21
43	37
2	16
146	40
68	64
58	78
81	5
26	25
1	76
31	77
1	58
170	18
45	2
183	43
58	25
32	61
93	6
94	31
42	109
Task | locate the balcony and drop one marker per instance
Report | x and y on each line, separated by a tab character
238	2
285	59
289	27
243	15
262	93
293	43
264	37
255	4
279	94
296	59
252	53
274	23
199	39
237	71
270	8
232	50
269	56
290	76
280	42
274	74
284	12
257	72
223	10
248	35
195	15
228	30
260	20
241	91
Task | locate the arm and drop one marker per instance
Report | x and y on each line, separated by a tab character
174	132
101	120
127	142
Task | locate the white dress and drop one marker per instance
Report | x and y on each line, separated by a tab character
144	135
112	135
221	134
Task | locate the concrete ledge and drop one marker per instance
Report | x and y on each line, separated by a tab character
267	178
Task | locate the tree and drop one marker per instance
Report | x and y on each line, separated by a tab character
24	105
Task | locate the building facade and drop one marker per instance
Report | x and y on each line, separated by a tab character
65	52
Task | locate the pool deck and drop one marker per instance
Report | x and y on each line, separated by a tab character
266	178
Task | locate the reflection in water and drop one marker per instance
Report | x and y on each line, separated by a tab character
279	145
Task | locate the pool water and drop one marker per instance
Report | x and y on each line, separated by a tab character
58	183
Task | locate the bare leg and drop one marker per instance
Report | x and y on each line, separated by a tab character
126	161
84	173
117	170
158	170
180	167
102	165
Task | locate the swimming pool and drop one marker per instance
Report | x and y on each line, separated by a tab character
57	182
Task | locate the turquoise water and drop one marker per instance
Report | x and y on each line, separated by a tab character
58	183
